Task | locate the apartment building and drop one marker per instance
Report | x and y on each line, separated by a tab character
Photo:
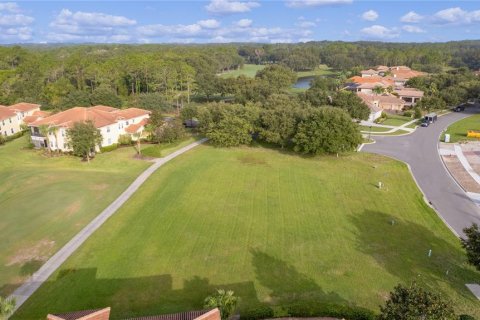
51	131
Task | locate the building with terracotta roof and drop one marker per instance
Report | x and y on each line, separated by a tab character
375	110
368	73
9	121
104	314
387	102
410	95
111	122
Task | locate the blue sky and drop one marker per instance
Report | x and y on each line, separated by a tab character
237	21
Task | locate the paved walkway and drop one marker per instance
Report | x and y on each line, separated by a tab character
465	164
420	151
39	277
392	128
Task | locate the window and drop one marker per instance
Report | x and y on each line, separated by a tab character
109	141
127	123
108	129
10	120
12	130
3	122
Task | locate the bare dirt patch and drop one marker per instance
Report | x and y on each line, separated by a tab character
99	187
40	251
73	207
252	160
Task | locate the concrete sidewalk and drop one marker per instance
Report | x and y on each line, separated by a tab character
38	278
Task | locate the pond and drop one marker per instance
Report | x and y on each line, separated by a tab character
303	83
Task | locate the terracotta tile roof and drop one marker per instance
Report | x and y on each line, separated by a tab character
37	115
134	127
104	108
388	98
78	114
382	68
131	113
189	315
409	92
407	74
75	315
6	112
385	80
369	100
369	71
24	107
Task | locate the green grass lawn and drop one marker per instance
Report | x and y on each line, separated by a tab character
45	201
164	149
396	120
458	130
374	129
271	226
321	70
248	70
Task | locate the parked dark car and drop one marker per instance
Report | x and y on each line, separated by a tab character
460	107
424	123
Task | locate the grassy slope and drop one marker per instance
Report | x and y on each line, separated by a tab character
458	130
164	149
268	225
321	70
248	70
45	201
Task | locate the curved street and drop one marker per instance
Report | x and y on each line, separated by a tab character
419	150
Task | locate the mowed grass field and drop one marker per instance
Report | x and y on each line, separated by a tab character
248	70
45	201
458	130
271	226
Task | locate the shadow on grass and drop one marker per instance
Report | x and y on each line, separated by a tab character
402	248
30	267
286	283
81	289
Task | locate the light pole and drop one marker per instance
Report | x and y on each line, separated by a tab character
370	133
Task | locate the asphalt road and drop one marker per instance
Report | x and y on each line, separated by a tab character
419	150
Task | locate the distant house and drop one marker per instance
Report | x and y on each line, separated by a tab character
375	110
367	84
410	95
111	122
12	117
368	73
9	121
387	102
104	314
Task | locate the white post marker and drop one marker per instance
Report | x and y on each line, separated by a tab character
379	185
429	253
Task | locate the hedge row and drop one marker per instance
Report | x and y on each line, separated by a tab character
310	309
4	139
109	148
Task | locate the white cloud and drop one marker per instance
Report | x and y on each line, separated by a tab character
209	23
314	3
81	26
456	16
451	15
228	6
370	15
411	17
244	23
79	18
413	29
15	20
14	26
9	7
380	32
178	30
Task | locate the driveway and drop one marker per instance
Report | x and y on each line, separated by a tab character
419	150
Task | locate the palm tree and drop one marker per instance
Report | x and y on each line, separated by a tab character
378	90
138	135
44	131
225	301
7	306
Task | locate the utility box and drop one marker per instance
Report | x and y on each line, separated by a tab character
447	137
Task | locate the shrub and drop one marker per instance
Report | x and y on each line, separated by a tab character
260	311
170	132
2	139
465	317
125	140
408	113
109	148
14	136
418	113
319	309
